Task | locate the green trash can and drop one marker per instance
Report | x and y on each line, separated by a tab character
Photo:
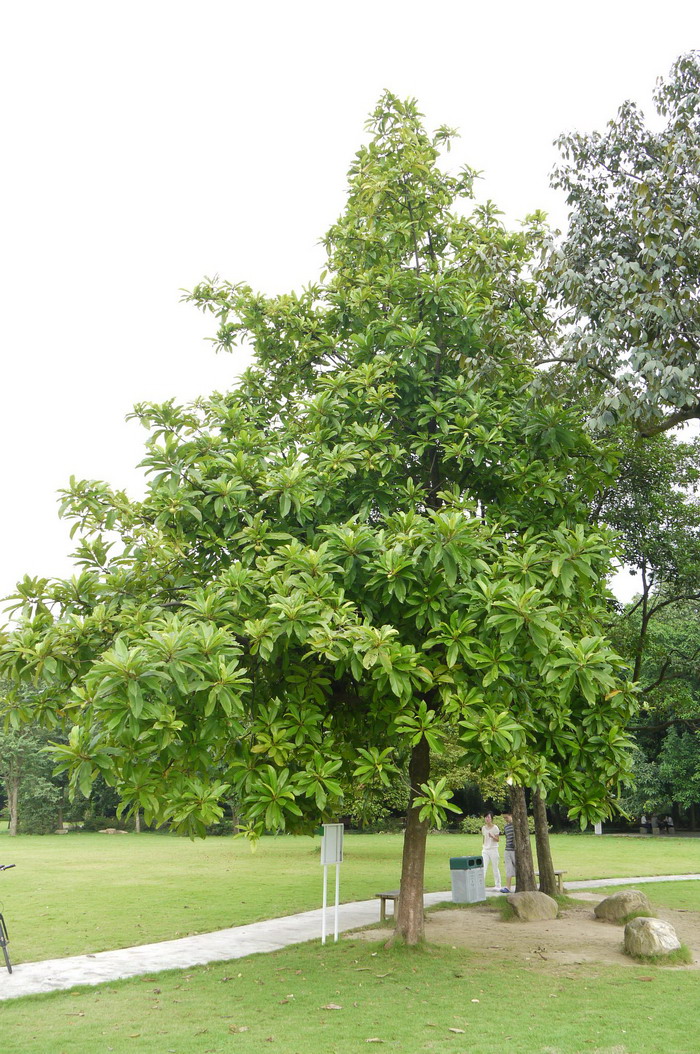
467	875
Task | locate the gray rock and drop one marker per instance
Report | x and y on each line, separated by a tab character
531	906
620	905
650	937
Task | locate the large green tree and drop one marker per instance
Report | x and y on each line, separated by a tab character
654	506
377	537
627	274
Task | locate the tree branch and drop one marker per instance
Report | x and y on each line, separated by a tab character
666	423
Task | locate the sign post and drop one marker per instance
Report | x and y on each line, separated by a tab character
331	853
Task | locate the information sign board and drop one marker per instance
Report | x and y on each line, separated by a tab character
332	845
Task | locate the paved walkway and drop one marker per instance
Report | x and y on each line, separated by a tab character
51	975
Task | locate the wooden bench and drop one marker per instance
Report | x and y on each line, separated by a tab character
559	877
392	895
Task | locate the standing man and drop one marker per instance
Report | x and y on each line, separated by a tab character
509	852
489	849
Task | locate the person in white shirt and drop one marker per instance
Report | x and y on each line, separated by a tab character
489	850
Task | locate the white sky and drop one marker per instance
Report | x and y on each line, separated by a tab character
147	144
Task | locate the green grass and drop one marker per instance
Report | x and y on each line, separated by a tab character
413	1000
72	894
679	957
634	915
681	896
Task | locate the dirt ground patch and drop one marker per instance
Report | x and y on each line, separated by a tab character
575	938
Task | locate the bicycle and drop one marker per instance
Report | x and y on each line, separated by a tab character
4	938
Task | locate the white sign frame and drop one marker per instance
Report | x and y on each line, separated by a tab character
332	844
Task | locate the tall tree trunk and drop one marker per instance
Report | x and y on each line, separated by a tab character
545	866
409	913
137	822
524	866
13	803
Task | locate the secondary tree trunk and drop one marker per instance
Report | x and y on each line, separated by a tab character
545	866
13	803
524	866
235	815
409	913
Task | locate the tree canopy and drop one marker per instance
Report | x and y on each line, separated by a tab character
627	274
378	537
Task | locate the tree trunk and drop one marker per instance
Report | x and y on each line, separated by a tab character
409	913
524	866
235	815
545	866
13	803
137	822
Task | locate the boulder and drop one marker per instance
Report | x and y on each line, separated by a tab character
650	937
532	906
618	906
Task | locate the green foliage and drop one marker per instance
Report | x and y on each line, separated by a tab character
679	766
39	805
97	822
371	804
473	824
654	506
629	269
379	536
33	794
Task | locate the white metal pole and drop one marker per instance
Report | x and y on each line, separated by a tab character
337	899
325	902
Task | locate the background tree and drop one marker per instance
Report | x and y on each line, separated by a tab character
34	797
377	537
654	507
627	274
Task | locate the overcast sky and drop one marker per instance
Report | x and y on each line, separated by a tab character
147	144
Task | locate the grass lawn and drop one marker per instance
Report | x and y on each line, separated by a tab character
72	894
679	895
342	998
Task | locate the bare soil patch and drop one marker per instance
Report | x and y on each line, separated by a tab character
575	938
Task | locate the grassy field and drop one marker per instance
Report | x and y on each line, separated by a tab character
342	998
72	894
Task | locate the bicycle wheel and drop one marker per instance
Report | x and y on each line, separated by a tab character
3	941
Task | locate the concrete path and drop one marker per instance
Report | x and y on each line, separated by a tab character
51	975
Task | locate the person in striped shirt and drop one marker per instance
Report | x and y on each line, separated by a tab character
509	852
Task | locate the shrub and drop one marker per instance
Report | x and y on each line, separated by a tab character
98	823
473	824
39	803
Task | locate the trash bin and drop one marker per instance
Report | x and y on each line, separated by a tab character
467	874
477	880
